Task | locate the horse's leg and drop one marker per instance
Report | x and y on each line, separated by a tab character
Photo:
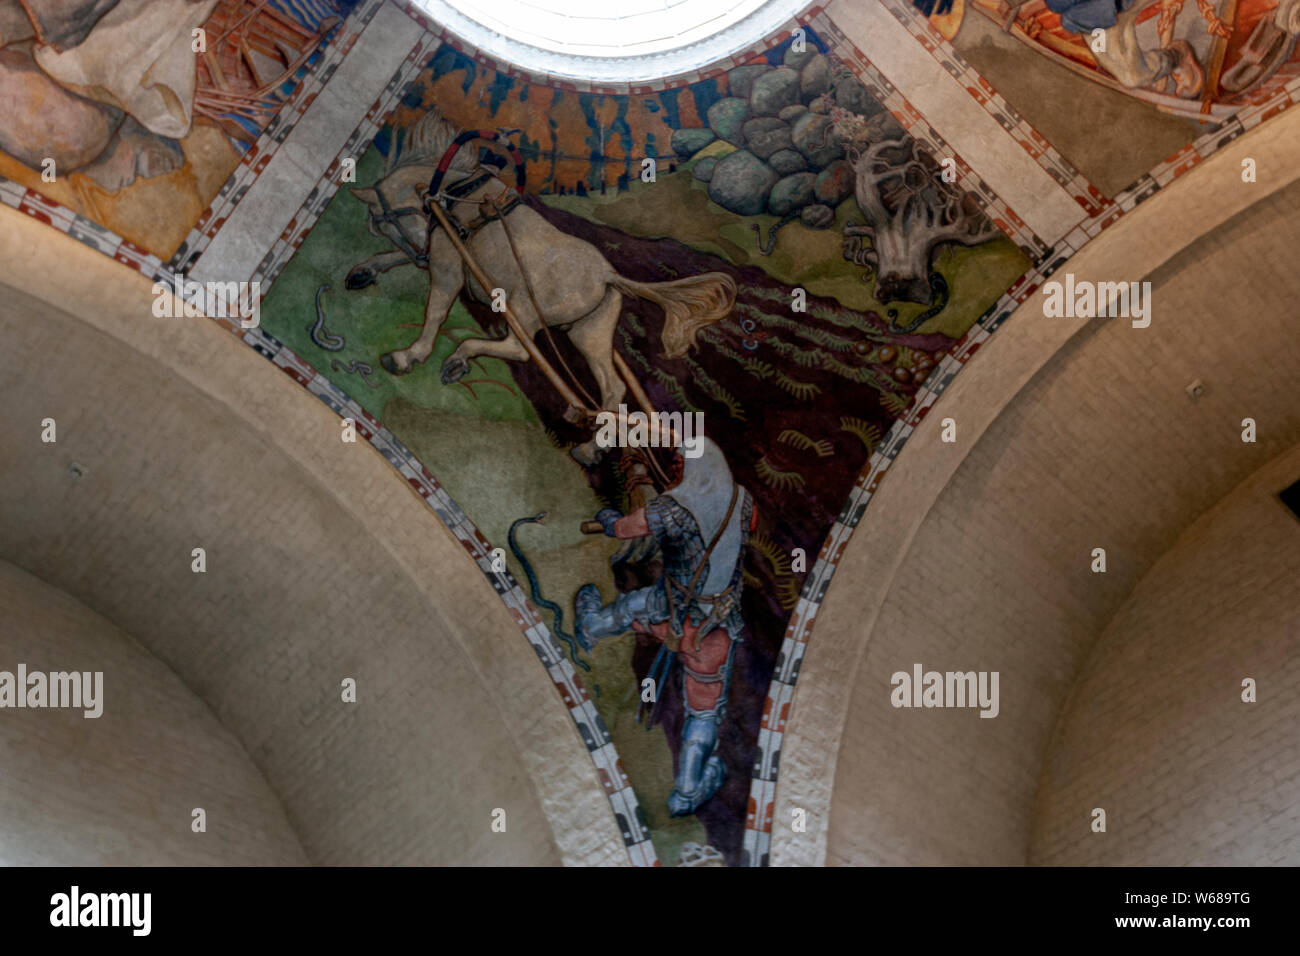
492	251
366	272
445	279
457	364
593	336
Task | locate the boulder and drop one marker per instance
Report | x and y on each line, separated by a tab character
835	183
687	142
813	136
815	77
817	216
766	135
852	95
791	193
796	60
727	116
741	183
774	91
740	81
884	126
792	113
703	169
787	161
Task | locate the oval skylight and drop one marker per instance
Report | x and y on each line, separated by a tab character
612	41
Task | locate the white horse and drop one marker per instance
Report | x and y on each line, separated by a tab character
575	288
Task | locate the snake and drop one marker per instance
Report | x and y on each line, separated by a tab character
535	589
321	335
765	248
940	289
356	367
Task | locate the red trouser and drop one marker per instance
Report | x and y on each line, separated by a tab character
707	661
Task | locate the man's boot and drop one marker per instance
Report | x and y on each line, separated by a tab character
700	771
592	621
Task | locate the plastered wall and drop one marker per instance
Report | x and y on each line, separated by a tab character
1156	731
120	788
186	438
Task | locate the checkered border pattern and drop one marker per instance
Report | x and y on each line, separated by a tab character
277	131
1243	121
92	234
758	826
910	118
1088	196
323	190
776	709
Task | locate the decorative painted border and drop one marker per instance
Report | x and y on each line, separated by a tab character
84	230
1088	196
319	73
916	125
323	190
1243	121
776	707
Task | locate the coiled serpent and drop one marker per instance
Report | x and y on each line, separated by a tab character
535	590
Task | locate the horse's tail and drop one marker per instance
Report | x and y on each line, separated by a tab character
689	305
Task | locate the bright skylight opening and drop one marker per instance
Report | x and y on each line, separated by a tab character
612	40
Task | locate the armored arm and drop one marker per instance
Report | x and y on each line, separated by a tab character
617	525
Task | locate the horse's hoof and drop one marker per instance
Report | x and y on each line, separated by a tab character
454	369
359	278
588	454
390	365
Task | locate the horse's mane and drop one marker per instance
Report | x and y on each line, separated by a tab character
424	142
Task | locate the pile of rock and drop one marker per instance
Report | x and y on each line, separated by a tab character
789	160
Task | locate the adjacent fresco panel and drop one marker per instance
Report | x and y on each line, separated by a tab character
1120	87
134	113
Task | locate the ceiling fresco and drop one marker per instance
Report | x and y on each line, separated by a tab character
135	114
1150	80
789	255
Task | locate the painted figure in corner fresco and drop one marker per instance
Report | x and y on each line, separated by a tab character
110	88
701	525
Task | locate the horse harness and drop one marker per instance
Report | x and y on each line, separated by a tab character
491	208
722	603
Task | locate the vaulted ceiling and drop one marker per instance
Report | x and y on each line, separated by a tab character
963	538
